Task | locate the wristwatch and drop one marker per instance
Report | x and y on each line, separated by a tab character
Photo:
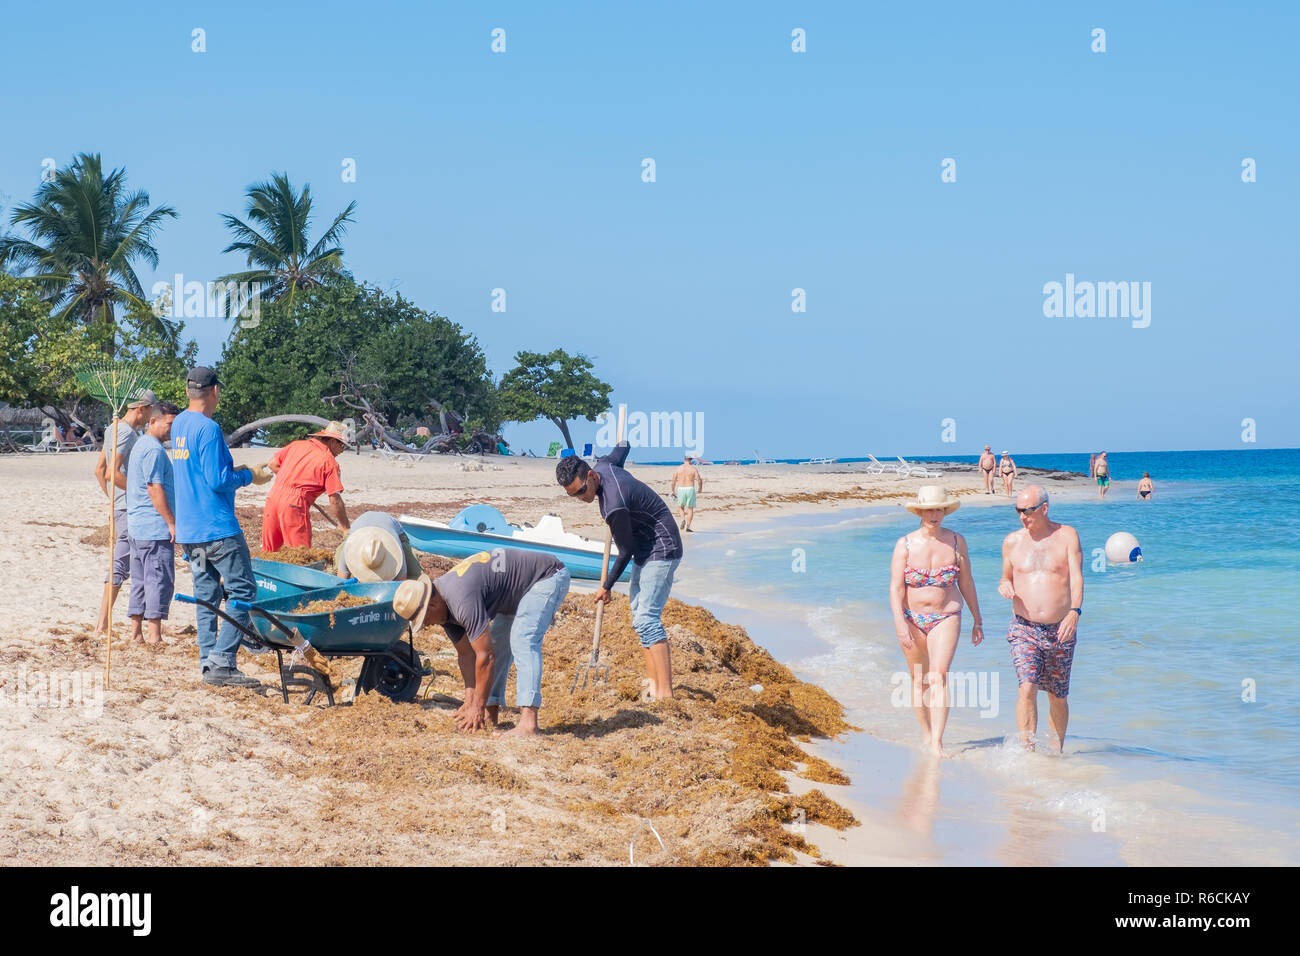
1077	610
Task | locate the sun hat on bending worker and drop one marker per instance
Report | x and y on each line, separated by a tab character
336	430
372	554
412	600
932	496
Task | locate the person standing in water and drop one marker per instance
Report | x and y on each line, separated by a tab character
1101	469
1042	575
1146	487
987	463
929	575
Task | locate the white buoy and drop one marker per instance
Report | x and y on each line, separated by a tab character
1122	547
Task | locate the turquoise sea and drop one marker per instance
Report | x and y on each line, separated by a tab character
1184	736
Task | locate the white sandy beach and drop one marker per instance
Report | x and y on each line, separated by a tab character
167	770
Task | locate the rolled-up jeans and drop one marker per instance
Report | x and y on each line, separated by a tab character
518	637
221	568
648	593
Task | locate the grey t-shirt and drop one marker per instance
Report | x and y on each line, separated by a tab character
385	522
126	439
487	584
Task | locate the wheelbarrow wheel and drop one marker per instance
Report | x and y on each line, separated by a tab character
387	675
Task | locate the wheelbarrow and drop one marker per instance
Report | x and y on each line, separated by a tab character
278	579
391	665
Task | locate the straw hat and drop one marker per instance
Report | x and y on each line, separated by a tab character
372	554
412	600
932	496
336	430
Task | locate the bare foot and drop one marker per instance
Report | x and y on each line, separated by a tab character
519	731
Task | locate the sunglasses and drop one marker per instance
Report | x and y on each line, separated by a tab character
1025	511
581	489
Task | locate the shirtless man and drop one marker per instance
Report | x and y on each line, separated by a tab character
1146	487
987	462
1042	575
1007	469
687	483
1101	471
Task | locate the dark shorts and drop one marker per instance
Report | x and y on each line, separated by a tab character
153	579
1038	657
121	551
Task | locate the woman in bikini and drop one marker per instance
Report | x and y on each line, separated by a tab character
1007	469
929	577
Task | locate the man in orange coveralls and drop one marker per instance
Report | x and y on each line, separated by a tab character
304	470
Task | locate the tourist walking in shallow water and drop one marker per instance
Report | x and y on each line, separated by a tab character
1042	575
1101	471
1146	487
929	575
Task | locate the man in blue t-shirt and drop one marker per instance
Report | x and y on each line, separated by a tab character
151	521
645	532
206	528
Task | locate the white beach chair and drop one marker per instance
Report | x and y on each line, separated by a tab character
907	470
878	467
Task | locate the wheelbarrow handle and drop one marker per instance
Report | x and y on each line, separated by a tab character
248	632
291	633
186	598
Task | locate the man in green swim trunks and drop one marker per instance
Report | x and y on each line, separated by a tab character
687	483
1101	471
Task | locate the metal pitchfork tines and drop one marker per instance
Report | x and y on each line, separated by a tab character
593	670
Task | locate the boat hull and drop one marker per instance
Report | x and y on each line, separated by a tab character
455	543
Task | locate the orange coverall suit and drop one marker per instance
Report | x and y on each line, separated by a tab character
306	469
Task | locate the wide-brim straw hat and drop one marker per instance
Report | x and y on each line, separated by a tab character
336	430
932	496
372	554
412	600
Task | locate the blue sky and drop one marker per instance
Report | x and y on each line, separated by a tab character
774	170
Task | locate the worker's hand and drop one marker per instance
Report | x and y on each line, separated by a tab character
241	468
602	596
472	719
261	474
171	530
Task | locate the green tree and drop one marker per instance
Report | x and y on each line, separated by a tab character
294	358
39	351
86	232
278	255
556	386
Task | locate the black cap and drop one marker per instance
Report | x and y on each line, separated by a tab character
202	377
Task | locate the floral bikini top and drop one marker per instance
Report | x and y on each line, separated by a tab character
943	577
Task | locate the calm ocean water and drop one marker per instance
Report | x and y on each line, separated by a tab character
1185	696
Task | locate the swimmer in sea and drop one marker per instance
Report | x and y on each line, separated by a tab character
1146	487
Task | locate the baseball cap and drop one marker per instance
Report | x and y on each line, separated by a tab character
143	397
202	377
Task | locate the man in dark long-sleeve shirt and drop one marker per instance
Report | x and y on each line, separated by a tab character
646	534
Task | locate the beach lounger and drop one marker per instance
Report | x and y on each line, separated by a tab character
389	454
907	470
878	467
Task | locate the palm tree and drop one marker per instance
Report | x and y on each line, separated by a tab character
278	256
86	231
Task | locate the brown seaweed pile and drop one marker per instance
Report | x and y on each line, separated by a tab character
333	604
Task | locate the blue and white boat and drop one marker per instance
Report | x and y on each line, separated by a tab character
482	528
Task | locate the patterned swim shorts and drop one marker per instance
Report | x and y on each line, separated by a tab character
1038	657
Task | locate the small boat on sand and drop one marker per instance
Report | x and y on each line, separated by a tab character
482	528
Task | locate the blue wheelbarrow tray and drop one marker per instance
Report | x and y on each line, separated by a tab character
353	630
278	579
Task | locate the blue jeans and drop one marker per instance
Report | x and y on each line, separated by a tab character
220	568
519	636
648	593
